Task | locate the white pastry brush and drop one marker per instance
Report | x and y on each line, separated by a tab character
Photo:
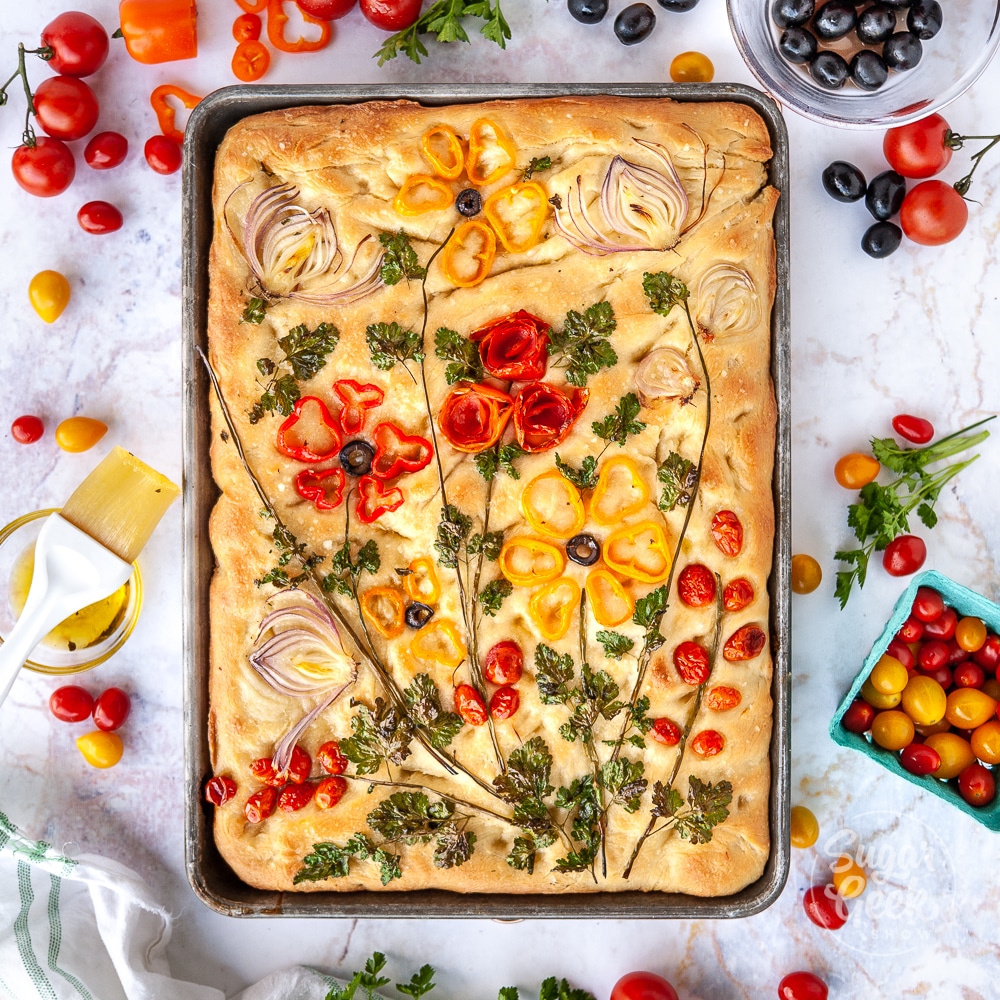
84	553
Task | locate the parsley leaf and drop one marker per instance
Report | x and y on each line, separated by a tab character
453	529
524	849
400	259
616	427
290	548
380	736
466	365
499	458
453	847
347	570
526	781
553	674
649	612
624	780
421	982
305	353
679	478
489	544
582	347
561	990
492	596
444	19
585	478
254	311
410	817
615	644
329	860
707	807
389	343
424	703
537	163
663	291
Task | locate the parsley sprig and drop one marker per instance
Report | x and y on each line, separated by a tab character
582	346
615	428
444	19
463	355
400	261
389	343
290	548
305	354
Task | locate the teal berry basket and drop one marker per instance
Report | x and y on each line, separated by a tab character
965	602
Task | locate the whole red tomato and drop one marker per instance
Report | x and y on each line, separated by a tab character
326	10
977	785
802	986
391	15
918	149
106	150
914	429
65	107
933	213
824	907
111	709
27	429
163	154
99	217
643	986
71	703
78	43
45	169
904	555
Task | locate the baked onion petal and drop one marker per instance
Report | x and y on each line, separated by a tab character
726	300
665	374
514	347
544	414
473	417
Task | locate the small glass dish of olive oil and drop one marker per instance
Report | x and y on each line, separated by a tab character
83	640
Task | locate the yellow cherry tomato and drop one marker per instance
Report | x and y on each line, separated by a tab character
80	433
970	634
856	470
849	877
878	700
49	294
969	708
692	67
892	730
956	754
807	574
985	742
101	749
888	676
805	827
925	702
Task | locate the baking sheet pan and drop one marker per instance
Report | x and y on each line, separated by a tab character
209	875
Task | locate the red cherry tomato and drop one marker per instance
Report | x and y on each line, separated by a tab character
292	798
391	15
329	792
942	627
260	805
45	169
859	717
941	674
163	154
988	655
902	652
263	770
933	654
928	604
470	705
65	107
802	986
666	731
918	149
738	594
692	663
696	585
106	150
745	643
914	429
504	703
326	10
219	789
920	759
330	758
111	709
26	429
933	213
824	907
78	42
299	767
504	663
71	703
643	986
727	532
99	217
904	555
977	786
955	652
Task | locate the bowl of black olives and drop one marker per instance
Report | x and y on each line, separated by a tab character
866	63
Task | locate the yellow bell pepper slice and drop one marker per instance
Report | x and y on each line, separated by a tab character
441	642
468	256
491	152
614	500
639	551
610	601
422	193
551	607
385	608
517	214
552	505
422	583
444	152
527	561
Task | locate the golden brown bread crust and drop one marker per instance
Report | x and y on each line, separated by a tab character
352	160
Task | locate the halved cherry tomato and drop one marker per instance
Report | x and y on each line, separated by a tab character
802	986
219	789
330	758
643	986
745	643
111	709
692	663
696	585
708	743
504	703
27	429
71	703
722	699
904	555
65	107
470	705
260	805
855	470
329	792
738	594
163	154
914	429
106	150
292	798
666	731
78	43
933	213
391	15
918	149
99	218
727	532
824	907
45	169
504	663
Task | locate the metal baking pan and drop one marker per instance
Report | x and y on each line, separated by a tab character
211	878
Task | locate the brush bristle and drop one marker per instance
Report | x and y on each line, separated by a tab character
120	503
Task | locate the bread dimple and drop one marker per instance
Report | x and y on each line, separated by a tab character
351	161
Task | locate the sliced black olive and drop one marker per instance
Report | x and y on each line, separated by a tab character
792	13
902	51
881	239
634	23
885	194
876	24
834	19
583	550
798	45
356	458
417	615
843	181
868	70
678	6
829	70
470	202
925	18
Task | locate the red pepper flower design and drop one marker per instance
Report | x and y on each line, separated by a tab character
544	415
473	417
514	347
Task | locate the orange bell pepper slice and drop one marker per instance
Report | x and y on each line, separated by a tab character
422	193
551	607
639	551
468	256
613	501
553	506
385	608
444	152
165	113
251	60
517	215
491	152
422	583
157	31
526	561
252	6
611	602
277	20
441	642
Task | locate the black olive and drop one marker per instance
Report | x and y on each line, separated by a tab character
798	45
902	51
843	181
881	239
587	11
417	615
924	19
829	70
678	6
876	24
792	13
634	23
470	202
356	458
885	194
868	70
583	550
834	19
897	4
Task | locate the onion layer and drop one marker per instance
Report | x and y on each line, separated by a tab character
726	301
665	374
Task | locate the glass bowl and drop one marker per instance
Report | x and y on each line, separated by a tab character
952	61
85	639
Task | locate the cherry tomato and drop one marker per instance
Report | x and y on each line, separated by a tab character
327	10
696	585
504	663
892	730
504	703
924	700
738	594
858	717
163	154
888	676
666	731
329	792
914	429
855	470
968	675
970	633
78	42
918	758
807	574
101	749
942	627
643	986
969	708
976	785
65	107
985	742
708	743
904	555
80	433
824	907
804	827
470	705
247	28
292	798
902	652
747	642
99	218
928	604
940	674
48	292
955	752
692	663
330	758
912	630
260	805
71	703
111	709
988	655
933	213
881	702
27	429
45	169
849	877
728	533
219	789
250	62
299	766
933	654
802	986
263	770
918	149
691	67
391	15
722	699
106	150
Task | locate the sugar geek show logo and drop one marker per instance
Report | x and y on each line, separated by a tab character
908	884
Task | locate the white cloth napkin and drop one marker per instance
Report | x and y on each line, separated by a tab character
87	928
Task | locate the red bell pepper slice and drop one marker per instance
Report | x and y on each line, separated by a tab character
373	501
514	346
473	417
303	443
325	489
396	452
544	414
357	400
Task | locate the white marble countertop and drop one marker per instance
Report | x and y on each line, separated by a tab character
913	333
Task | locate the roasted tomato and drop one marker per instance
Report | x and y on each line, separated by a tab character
692	663
504	663
514	347
470	705
738	594
473	417
544	415
745	643
696	585
728	533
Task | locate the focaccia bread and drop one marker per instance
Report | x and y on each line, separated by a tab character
587	355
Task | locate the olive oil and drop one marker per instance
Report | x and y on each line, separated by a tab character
81	630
